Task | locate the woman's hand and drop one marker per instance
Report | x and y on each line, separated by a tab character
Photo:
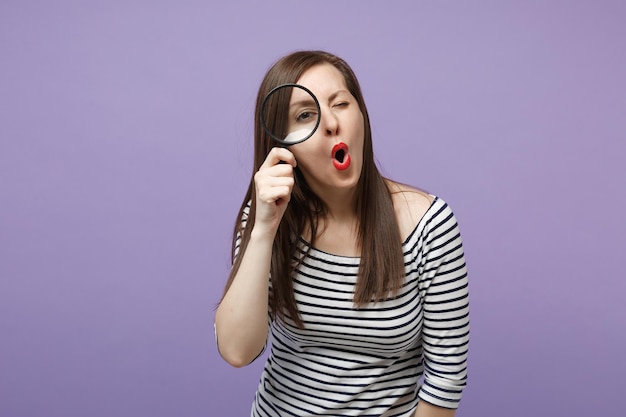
273	184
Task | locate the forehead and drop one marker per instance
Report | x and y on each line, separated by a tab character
323	80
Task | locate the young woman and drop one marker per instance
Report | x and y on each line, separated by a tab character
360	280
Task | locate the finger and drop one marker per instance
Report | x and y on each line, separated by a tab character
271	195
279	170
263	182
276	155
267	176
269	189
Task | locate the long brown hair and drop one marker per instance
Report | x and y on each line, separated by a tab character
381	269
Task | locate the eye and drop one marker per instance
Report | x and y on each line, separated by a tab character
341	104
305	116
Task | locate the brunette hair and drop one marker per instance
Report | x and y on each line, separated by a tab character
381	270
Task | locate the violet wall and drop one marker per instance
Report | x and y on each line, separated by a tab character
125	149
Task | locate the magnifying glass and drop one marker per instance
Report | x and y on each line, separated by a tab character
290	114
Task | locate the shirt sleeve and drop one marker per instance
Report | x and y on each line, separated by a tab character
244	221
444	291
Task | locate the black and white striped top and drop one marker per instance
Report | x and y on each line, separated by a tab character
381	359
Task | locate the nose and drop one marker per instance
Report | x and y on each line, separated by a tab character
329	122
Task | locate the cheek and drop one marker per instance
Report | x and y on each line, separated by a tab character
304	156
358	124
308	150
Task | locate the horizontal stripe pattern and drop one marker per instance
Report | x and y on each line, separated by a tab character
381	359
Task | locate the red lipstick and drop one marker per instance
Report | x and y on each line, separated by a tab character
340	156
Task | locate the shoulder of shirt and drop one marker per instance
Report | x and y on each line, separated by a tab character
411	205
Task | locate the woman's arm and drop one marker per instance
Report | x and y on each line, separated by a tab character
241	323
241	318
425	409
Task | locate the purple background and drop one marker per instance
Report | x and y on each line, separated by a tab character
125	131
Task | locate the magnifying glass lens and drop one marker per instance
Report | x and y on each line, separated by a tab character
290	114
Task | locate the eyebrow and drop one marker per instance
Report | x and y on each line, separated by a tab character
306	101
336	93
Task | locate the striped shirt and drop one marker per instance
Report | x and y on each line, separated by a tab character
382	358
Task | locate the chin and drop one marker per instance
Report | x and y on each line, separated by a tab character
351	178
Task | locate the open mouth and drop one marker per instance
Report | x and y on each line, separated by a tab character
340	156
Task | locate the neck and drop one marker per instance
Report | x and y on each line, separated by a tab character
341	205
338	229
